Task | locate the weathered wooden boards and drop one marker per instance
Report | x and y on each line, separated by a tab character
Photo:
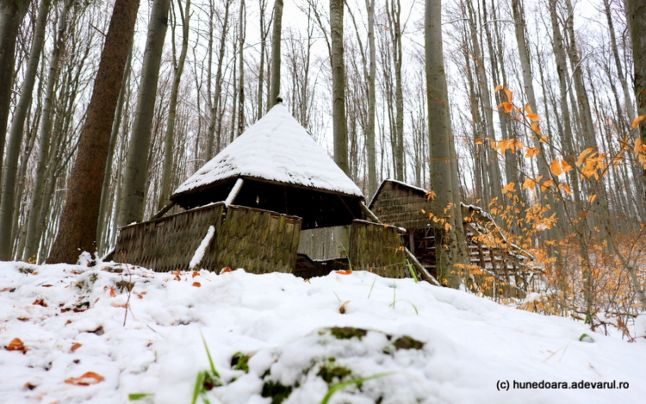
401	205
168	243
377	248
257	240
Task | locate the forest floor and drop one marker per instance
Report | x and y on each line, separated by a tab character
107	333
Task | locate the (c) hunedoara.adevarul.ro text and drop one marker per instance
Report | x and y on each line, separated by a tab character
506	385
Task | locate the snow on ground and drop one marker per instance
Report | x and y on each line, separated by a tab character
424	344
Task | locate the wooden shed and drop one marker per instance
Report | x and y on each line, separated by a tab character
246	208
405	205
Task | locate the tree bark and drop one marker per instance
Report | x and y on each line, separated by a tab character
241	96
275	52
78	225
44	136
372	100
134	193
12	13
9	173
338	86
636	12
447	251
169	138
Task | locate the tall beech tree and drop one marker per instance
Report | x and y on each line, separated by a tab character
77	230
10	171
636	12
134	192
338	86
12	13
275	52
449	247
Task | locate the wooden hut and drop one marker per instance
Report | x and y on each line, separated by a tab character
247	206
405	205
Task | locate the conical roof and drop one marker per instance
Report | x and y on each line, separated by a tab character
274	149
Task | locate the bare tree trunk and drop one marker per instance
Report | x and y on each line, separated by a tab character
9	173
447	251
528	87
338	86
636	12
241	38
394	20
134	192
372	72
481	77
12	13
215	122
262	5
630	108
169	138
114	134
44	135
79	219
275	52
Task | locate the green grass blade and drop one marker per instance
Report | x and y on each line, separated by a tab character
199	386
208	354
412	271
343	385
138	396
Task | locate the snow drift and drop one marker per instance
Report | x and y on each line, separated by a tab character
279	336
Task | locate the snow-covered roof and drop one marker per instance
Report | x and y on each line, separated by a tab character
278	149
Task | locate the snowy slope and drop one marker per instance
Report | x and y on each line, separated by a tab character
276	148
282	322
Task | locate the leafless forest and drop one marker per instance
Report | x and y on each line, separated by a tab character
532	110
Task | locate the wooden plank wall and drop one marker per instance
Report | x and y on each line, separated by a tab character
377	248
402	207
258	240
325	242
168	243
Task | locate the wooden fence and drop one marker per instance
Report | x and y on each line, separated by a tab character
257	240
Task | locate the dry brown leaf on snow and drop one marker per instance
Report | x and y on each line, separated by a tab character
86	379
16	344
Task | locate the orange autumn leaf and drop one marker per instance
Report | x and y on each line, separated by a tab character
532	152
119	305
589	152
344	272
555	168
635	123
430	195
16	344
509	188
506	106
86	379
75	346
592	198
195	273
531	115
565	188
546	185
536	129
530	183
112	292
225	270
197	284
640	151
